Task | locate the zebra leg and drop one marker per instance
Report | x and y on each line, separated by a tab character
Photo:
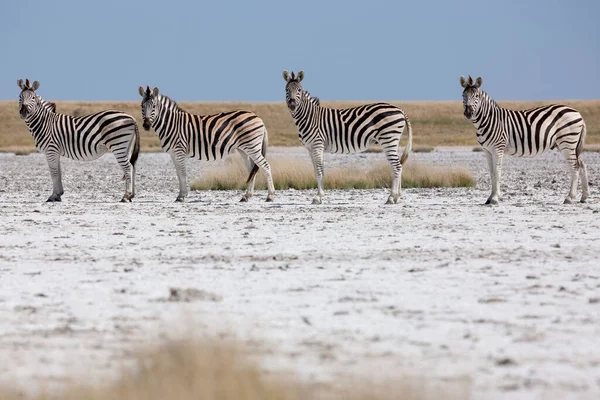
179	158
573	162
584	181
391	153
316	155
495	164
121	153
128	170
53	160
265	167
494	177
129	175
249	165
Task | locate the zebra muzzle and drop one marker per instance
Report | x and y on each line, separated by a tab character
147	124
468	112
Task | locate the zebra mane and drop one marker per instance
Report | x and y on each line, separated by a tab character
315	100
488	98
48	105
170	103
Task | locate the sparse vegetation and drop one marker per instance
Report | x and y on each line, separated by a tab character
477	149
435	123
423	149
187	370
298	174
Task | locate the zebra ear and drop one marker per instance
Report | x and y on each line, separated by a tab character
141	91
470	81
478	82
463	82
35	86
155	92
52	107
286	75
27	83
300	76
20	84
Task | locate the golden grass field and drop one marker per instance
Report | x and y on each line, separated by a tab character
296	174
215	370
435	123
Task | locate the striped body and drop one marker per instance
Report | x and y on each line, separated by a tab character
350	130
83	138
206	137
530	132
79	138
525	134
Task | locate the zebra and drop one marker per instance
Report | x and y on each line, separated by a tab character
525	133
82	138
207	137
350	130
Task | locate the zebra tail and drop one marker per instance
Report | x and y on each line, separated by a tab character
136	146
265	144
408	147
581	142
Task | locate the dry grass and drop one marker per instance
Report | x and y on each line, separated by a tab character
423	149
297	174
188	370
592	147
435	123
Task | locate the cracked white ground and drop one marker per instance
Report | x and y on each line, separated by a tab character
504	300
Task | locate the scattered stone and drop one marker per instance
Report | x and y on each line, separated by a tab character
505	361
491	300
188	295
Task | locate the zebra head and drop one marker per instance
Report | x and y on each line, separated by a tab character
293	89
150	106
29	101
471	95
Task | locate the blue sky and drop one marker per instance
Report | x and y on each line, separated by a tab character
350	50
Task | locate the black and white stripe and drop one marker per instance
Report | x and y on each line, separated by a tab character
207	137
79	138
350	130
525	133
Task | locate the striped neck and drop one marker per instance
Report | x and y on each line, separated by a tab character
166	112
307	107
486	110
39	122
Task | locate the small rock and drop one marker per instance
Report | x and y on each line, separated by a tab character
506	361
187	295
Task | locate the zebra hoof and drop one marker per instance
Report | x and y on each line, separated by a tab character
568	201
244	199
53	199
316	201
583	200
389	201
180	199
491	202
126	199
269	199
